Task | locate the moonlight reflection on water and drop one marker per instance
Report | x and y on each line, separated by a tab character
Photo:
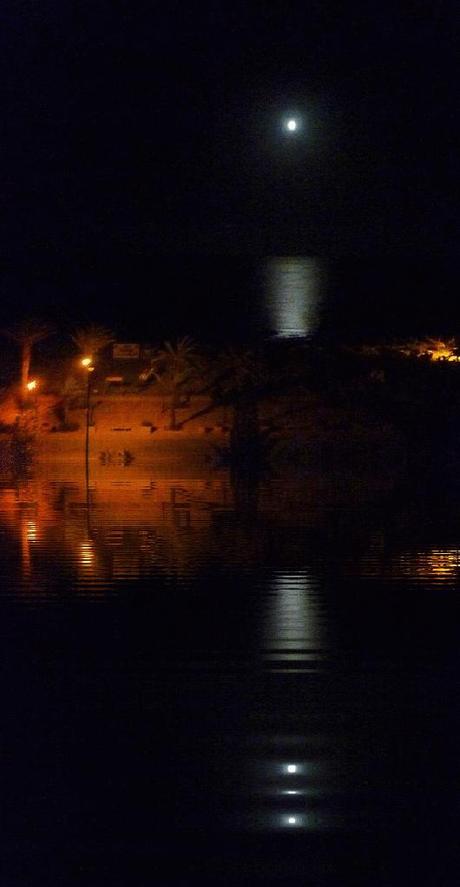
268	665
294	295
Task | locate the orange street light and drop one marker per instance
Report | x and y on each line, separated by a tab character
87	363
32	385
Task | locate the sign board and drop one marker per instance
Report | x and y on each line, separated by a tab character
126	351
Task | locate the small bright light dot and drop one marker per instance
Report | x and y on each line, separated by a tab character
292	820
292	125
292	768
291	792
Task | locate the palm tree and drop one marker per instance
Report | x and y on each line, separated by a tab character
174	366
242	374
90	340
27	333
93	338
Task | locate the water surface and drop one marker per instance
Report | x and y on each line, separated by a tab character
224	684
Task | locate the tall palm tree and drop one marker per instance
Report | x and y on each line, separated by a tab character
26	334
93	338
90	340
242	375
174	366
241	370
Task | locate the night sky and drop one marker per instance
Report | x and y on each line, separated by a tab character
141	129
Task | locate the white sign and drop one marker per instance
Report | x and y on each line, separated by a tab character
126	351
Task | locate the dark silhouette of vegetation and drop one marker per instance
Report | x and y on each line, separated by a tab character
26	334
18	451
241	377
92	339
175	367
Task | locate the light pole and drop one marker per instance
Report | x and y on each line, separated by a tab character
86	362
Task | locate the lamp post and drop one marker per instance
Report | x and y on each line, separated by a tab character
86	362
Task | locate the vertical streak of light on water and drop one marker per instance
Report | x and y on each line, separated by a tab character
293	621
294	295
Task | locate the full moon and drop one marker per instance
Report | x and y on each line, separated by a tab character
291	125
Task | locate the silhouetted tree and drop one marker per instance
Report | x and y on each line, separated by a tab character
26	334
241	375
92	339
175	366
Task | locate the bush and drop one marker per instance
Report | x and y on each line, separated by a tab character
68	426
17	454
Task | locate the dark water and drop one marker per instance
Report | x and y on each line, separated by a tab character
205	683
234	298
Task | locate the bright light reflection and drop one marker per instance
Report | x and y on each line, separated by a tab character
292	768
294	295
31	531
292	820
439	563
86	554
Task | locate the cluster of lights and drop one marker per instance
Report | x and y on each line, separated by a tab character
291	769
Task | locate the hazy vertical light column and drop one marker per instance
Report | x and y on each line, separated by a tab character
293	621
294	295
294	770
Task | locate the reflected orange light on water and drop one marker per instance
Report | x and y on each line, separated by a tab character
438	562
31	531
87	553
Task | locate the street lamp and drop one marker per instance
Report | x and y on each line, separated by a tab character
86	362
32	385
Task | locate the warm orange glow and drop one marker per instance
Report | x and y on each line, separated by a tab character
439	562
31	531
86	361
443	354
32	385
87	553
434	349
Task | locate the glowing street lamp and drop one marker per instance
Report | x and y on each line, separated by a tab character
86	362
32	385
